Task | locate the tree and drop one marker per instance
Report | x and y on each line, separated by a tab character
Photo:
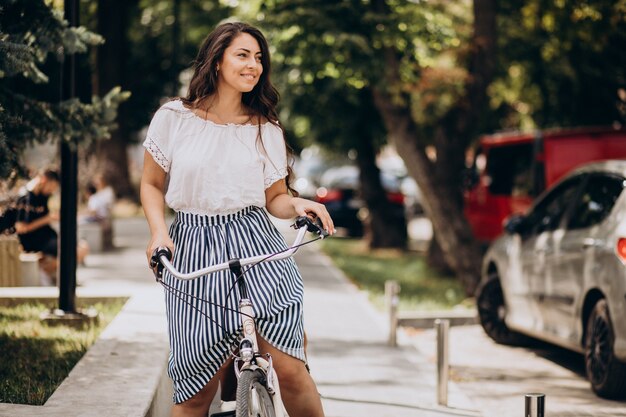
33	39
561	63
399	53
439	179
334	99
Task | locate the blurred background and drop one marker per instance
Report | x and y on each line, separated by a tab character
386	103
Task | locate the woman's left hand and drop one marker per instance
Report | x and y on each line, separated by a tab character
304	207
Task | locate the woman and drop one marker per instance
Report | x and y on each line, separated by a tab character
224	157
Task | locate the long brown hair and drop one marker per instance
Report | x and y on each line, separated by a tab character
263	98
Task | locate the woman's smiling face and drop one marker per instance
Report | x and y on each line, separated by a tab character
241	67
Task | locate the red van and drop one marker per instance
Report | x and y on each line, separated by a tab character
511	169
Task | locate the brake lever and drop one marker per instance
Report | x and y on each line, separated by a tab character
313	226
155	261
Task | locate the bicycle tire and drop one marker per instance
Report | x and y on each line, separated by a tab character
253	399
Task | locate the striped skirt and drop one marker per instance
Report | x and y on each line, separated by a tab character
199	346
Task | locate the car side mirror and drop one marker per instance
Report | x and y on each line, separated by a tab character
515	224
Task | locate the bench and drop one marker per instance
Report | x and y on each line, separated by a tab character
10	268
17	268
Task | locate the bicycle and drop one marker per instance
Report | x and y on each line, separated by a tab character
258	390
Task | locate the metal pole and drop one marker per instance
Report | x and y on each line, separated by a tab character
69	185
392	289
443	366
535	404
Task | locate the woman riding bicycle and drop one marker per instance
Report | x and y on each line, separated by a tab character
217	157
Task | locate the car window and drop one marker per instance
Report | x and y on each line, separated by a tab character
547	214
510	169
595	201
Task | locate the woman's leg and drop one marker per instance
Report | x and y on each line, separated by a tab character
198	405
297	388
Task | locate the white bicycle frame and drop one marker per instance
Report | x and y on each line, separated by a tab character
247	355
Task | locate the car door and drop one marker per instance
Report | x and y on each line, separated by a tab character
538	244
573	259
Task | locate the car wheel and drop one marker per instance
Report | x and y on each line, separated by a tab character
492	311
605	372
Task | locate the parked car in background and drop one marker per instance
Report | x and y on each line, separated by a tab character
309	168
339	192
559	274
512	168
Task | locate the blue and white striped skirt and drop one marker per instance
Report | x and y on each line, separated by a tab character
199	346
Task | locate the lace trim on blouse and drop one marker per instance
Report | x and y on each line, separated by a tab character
277	175
156	153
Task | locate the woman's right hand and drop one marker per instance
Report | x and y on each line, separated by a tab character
159	241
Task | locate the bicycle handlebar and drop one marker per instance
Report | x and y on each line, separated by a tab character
161	257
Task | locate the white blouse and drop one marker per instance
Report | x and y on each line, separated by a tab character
214	168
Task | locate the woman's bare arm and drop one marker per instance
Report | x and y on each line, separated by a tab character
280	204
153	202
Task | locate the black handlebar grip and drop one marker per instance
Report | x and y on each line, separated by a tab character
313	226
155	261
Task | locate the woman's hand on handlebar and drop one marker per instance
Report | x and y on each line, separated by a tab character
159	241
310	208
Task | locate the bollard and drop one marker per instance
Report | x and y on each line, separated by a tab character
535	403
392	289
443	366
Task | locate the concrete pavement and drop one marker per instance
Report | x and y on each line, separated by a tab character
356	372
497	377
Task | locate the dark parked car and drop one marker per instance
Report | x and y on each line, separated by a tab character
559	274
339	192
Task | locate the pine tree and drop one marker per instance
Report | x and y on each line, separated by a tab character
34	40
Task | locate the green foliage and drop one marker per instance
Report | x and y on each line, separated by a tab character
158	53
32	35
559	63
329	56
562	63
30	31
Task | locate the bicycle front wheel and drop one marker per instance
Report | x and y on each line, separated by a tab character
253	400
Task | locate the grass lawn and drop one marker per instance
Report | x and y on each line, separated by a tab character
421	288
34	357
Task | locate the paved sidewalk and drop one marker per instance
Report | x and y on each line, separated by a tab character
356	372
497	377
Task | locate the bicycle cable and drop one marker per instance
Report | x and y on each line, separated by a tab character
173	290
244	272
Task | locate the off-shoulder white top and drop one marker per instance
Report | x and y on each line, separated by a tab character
214	168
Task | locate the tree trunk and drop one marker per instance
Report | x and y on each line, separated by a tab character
436	258
441	205
386	224
439	180
111	70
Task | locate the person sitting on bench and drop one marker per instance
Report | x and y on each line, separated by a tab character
33	222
